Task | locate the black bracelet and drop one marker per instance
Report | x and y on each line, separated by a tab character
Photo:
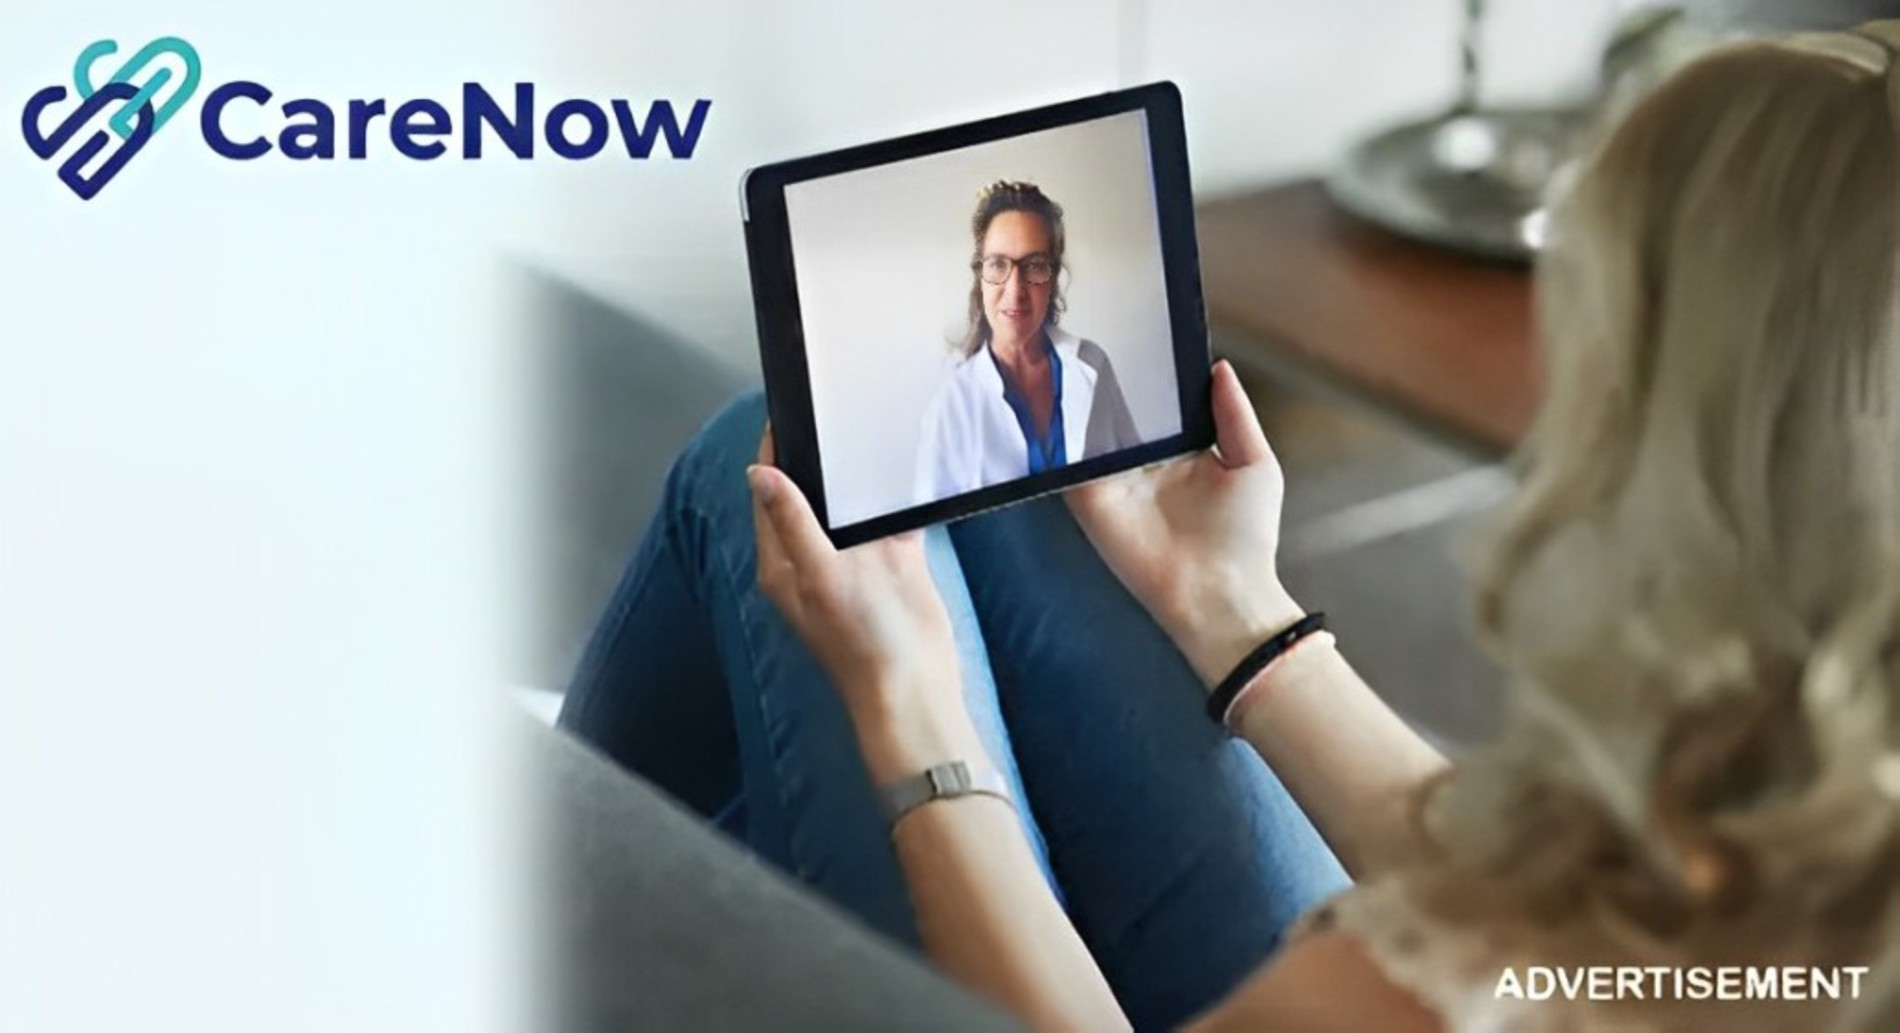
1257	661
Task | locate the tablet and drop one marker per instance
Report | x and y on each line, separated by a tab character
968	317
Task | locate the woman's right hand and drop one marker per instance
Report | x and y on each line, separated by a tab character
872	617
1195	539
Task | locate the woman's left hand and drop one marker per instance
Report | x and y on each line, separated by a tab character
871	614
1197	539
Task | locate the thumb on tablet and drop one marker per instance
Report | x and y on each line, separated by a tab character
793	526
1236	426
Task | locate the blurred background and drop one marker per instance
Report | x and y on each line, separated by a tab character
1272	89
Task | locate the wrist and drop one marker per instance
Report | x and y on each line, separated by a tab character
1235	700
1217	640
901	732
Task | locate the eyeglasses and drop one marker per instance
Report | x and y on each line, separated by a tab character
995	269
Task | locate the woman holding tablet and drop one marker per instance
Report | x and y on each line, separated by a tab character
1026	396
1695	593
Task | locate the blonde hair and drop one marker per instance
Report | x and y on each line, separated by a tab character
1697	591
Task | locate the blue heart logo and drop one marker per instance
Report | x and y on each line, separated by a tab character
134	119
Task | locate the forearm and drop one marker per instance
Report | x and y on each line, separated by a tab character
1350	761
989	920
873	618
1324	983
985	913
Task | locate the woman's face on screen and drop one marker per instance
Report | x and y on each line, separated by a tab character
1016	308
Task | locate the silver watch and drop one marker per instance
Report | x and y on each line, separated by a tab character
942	782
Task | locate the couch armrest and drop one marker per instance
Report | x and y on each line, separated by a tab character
659	922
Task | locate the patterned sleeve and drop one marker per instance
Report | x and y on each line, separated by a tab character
1454	972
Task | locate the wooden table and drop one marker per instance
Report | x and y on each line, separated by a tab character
1442	341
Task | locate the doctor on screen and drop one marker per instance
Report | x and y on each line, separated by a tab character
1025	397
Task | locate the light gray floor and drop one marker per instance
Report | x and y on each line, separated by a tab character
1379	520
1381	529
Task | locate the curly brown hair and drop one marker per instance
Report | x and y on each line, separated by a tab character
1006	195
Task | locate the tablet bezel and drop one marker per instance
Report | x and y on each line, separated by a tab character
775	302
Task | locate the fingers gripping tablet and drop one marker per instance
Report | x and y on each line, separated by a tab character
968	317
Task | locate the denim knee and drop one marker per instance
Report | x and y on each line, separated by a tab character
708	478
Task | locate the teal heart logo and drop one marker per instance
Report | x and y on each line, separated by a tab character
125	122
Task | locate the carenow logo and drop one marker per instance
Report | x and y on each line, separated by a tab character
148	89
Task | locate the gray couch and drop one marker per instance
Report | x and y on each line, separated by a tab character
656	922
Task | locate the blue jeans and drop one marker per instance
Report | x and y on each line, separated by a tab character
1178	855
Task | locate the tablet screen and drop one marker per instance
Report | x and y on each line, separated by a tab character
982	315
985	315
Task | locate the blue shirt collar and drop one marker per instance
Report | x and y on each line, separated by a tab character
1047	451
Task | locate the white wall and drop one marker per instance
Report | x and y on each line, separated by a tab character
1272	89
884	281
254	449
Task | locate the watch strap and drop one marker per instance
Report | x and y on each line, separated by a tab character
941	782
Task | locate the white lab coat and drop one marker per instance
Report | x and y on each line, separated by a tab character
970	435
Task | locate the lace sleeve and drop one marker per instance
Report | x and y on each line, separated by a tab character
1455	972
